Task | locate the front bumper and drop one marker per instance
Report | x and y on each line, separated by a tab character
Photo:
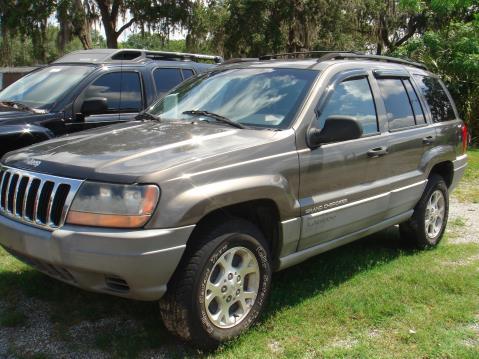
133	264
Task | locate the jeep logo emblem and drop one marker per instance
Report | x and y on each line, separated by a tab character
32	162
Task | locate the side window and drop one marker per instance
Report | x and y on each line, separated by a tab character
416	105
107	86
166	79
187	73
436	97
131	99
352	98
396	100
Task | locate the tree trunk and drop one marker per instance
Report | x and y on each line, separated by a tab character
5	50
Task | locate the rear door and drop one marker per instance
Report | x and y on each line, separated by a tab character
409	138
341	183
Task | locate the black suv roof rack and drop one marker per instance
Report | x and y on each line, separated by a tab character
346	55
131	55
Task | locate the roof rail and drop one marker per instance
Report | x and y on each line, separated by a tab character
131	55
298	53
239	60
359	56
181	55
339	55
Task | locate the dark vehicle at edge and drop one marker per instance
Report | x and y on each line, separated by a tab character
87	89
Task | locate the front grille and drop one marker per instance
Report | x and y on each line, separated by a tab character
35	198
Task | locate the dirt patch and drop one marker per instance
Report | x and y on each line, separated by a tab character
463	222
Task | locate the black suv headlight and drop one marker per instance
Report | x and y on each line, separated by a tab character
113	205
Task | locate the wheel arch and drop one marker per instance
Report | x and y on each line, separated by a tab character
263	213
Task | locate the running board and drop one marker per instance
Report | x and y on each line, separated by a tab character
298	257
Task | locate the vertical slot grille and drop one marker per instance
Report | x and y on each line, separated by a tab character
34	198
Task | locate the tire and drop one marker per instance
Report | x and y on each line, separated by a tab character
422	230
188	309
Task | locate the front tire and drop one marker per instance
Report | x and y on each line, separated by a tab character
221	286
426	227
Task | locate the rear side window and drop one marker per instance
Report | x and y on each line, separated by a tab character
187	73
416	105
396	101
439	104
352	98
131	99
166	79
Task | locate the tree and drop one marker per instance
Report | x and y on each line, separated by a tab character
160	14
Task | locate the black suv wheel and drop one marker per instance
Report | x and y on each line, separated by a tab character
221	286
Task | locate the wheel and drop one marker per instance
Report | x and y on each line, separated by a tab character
220	287
428	222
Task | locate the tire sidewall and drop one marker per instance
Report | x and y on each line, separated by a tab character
199	316
435	183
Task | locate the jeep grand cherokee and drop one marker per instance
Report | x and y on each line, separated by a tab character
244	170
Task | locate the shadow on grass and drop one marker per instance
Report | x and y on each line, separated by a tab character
71	306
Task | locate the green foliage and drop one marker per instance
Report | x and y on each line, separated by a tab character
153	42
441	33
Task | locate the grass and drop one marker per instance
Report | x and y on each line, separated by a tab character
369	299
468	189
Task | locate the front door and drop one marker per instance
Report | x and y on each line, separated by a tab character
123	93
342	184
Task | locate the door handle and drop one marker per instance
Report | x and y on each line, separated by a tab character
428	140
378	152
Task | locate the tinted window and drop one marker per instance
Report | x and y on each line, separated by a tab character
131	92
166	79
107	86
416	105
187	73
441	108
396	100
352	98
266	97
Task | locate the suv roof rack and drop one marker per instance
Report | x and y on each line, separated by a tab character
132	55
346	55
239	60
299	53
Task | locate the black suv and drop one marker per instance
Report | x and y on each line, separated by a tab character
89	88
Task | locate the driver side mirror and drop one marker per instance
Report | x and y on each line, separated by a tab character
94	106
336	129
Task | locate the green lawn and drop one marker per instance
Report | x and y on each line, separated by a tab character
468	190
372	298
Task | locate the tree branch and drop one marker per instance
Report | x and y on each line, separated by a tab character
126	26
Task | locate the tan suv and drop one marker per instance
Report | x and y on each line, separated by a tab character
246	169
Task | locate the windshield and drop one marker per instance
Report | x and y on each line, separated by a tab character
264	97
43	88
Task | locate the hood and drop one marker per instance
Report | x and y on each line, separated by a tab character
10	116
124	152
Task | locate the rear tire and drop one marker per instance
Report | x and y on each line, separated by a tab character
426	227
221	286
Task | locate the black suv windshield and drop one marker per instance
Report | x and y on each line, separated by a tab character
264	97
43	88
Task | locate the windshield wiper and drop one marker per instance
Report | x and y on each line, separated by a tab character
215	116
17	105
147	116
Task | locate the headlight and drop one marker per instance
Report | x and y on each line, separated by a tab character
111	205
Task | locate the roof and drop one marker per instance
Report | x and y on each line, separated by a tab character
100	56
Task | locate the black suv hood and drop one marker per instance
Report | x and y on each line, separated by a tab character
10	116
122	153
